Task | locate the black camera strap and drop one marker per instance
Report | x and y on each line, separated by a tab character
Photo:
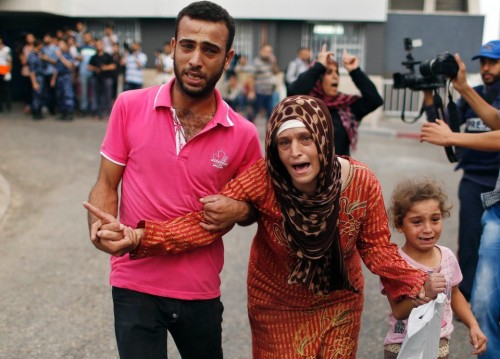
452	120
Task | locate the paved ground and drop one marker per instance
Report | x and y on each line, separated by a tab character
55	296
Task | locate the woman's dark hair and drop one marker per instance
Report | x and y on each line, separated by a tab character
208	11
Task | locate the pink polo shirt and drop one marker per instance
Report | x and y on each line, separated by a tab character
160	184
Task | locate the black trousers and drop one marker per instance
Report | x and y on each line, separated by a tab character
142	322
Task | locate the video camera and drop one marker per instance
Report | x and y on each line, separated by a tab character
433	72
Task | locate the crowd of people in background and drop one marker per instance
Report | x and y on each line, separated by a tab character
255	86
71	71
76	72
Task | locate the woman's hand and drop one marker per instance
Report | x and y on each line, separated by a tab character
349	61
325	57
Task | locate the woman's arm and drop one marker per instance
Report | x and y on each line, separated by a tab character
306	80
185	233
373	243
370	98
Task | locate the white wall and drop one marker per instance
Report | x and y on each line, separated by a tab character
342	10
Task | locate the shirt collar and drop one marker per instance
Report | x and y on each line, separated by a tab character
163	98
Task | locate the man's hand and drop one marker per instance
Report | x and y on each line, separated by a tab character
437	133
460	82
109	235
221	212
349	61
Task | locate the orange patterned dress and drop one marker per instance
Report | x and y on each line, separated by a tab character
288	320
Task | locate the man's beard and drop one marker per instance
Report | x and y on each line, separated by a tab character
493	81
201	92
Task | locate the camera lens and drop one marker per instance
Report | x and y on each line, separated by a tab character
443	64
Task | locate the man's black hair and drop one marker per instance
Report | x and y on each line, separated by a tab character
208	11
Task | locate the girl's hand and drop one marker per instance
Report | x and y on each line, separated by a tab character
478	340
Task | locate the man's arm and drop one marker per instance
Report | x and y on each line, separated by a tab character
485	111
440	134
104	195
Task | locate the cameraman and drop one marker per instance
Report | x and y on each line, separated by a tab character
480	168
486	288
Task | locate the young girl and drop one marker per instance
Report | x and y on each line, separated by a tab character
417	210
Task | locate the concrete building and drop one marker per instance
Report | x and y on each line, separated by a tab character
372	29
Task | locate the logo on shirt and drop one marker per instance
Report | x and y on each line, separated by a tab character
219	159
476	125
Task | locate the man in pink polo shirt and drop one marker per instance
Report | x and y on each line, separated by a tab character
169	146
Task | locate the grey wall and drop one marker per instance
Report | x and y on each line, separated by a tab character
154	33
439	33
289	39
375	44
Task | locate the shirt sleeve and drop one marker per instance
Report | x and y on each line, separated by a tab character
306	80
174	236
370	98
114	146
379	254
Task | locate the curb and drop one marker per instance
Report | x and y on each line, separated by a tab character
4	196
385	131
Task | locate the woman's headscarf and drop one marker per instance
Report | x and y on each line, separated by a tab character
310	221
341	102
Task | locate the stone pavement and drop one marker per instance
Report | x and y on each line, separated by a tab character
56	300
389	127
4	196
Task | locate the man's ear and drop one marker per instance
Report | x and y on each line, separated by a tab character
229	58
172	45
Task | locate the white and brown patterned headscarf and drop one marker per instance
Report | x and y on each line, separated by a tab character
310	221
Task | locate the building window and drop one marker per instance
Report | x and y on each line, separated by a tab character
451	5
243	39
336	37
127	30
417	5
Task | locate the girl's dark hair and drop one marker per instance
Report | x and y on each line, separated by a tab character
208	11
410	191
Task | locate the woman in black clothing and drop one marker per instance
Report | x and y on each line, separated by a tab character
322	79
